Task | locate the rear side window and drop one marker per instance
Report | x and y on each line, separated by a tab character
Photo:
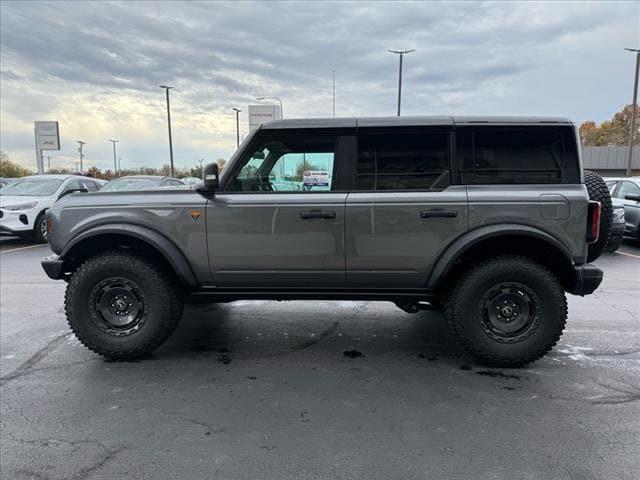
411	161
521	155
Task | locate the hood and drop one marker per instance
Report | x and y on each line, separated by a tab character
10	200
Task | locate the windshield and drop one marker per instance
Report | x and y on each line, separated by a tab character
129	184
32	187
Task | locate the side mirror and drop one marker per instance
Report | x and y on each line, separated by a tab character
211	180
72	190
632	197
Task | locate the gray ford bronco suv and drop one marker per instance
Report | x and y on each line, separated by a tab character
491	220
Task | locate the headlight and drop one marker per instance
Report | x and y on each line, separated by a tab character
24	206
618	215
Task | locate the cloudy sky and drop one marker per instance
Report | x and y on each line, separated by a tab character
96	67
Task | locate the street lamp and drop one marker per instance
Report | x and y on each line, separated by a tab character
273	98
237	110
166	88
633	110
115	162
401	53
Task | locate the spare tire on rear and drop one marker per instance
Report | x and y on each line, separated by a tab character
599	192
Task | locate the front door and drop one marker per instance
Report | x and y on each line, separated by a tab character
403	212
631	206
279	221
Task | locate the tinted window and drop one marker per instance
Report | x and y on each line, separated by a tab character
412	161
497	155
293	163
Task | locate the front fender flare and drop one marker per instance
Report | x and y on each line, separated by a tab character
162	244
468	240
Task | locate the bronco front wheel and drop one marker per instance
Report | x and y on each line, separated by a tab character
122	306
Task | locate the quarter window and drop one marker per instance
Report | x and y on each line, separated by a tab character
499	155
293	163
412	161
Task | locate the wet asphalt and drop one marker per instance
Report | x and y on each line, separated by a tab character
316	390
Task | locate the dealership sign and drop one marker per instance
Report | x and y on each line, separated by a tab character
47	138
259	114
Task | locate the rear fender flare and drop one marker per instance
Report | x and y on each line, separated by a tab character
468	240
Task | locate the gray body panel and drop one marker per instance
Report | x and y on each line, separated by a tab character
261	240
390	244
558	210
166	212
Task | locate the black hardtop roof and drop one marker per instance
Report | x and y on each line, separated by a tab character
417	121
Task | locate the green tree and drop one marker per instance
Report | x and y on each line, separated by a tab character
9	169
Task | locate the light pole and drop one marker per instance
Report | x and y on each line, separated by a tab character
82	144
237	110
334	94
633	110
166	88
401	53
274	98
115	161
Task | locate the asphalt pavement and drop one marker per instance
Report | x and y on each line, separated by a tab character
322	390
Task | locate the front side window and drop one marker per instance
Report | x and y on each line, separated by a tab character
288	163
411	161
627	188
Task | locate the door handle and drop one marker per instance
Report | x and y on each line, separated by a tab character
438	214
317	214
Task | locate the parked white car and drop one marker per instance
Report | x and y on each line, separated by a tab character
24	202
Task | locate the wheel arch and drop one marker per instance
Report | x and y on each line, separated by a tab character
146	241
494	240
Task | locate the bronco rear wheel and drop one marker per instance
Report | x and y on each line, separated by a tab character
121	306
507	311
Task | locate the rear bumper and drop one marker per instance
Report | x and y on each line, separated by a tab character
586	279
52	266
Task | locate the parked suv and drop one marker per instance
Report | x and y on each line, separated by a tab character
23	202
488	219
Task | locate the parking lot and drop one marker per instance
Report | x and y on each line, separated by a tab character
335	390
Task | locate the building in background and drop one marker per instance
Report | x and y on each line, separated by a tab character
259	114
610	161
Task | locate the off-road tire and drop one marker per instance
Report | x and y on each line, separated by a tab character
599	192
37	235
465	314
162	307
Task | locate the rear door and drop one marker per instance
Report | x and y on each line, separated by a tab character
279	221
403	211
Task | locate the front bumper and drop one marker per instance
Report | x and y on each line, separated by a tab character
586	279
52	266
17	222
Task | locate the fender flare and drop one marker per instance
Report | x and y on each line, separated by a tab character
162	244
456	249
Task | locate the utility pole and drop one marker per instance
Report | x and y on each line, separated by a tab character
237	110
119	166
115	162
633	110
169	125
334	94
401	53
82	144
